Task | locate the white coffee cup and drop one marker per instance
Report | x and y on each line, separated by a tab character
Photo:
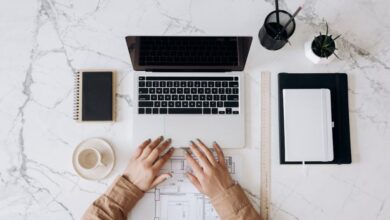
90	158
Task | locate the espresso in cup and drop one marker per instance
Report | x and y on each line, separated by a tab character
90	158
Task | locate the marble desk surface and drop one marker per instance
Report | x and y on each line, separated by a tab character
42	42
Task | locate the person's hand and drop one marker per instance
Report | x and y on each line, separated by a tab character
146	162
210	176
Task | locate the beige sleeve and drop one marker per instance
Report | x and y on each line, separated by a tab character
233	204
116	202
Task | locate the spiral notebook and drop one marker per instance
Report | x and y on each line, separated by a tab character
94	96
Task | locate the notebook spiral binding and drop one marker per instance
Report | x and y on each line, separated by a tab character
76	97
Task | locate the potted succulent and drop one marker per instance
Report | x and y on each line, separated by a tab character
321	49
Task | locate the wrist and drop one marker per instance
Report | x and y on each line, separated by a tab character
223	190
124	193
127	178
230	201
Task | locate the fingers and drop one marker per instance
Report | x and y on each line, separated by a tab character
204	162
221	157
193	164
195	181
207	152
157	151
161	178
140	148
160	162
147	150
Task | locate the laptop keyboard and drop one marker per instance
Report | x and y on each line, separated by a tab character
189	51
188	95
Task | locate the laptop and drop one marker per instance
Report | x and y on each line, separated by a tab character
189	87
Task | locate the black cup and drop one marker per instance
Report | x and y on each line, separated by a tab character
271	35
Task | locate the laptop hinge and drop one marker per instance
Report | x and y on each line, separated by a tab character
188	70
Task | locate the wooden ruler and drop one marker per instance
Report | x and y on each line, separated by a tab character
265	175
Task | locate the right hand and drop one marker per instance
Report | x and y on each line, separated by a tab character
210	176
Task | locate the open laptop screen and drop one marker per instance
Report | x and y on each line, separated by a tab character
188	53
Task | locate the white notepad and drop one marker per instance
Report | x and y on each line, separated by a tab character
307	125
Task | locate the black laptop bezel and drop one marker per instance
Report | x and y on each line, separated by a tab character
243	46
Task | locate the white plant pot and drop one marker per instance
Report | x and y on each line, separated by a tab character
313	57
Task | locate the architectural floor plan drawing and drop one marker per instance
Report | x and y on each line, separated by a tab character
177	198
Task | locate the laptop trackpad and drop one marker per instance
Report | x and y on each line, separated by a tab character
182	129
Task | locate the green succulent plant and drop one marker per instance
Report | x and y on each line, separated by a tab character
324	44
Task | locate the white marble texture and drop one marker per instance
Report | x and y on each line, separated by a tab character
42	42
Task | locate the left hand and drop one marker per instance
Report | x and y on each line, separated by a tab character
146	162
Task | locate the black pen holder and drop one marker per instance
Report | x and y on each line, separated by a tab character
276	30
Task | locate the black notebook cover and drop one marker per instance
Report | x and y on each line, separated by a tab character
337	83
94	96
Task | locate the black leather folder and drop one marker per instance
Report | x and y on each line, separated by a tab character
337	83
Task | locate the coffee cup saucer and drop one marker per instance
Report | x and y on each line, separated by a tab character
108	159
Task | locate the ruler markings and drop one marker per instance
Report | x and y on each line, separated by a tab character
265	150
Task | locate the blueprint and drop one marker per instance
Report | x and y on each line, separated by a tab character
177	198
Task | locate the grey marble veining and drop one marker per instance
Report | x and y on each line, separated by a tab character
43	42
